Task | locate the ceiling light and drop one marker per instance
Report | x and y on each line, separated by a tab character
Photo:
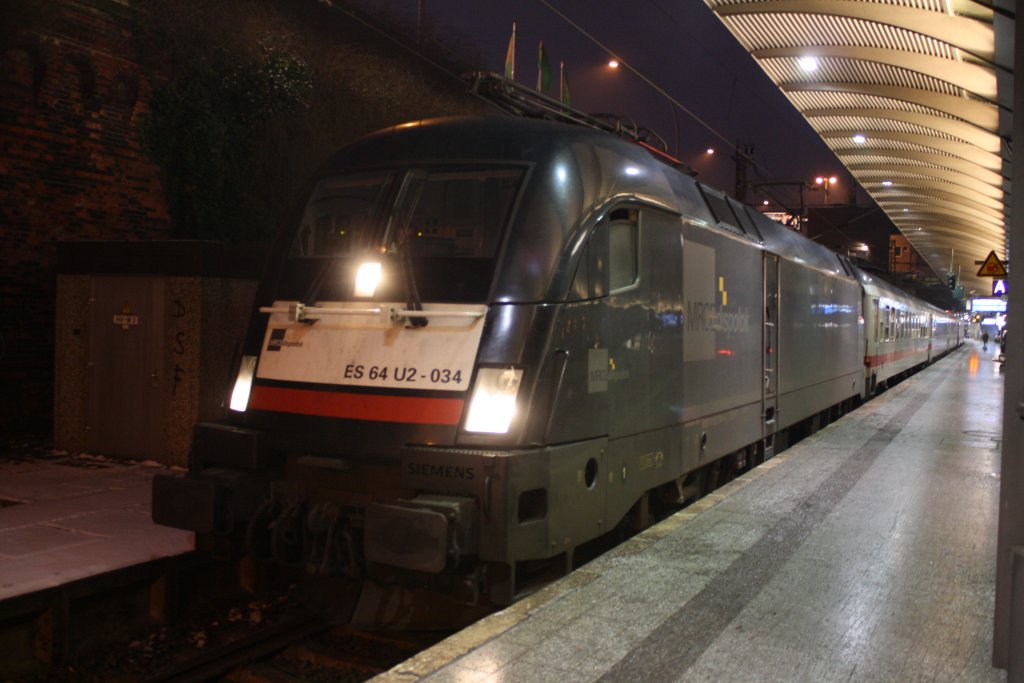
808	63
859	139
613	63
886	183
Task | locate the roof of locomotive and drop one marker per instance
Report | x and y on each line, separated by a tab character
497	137
574	174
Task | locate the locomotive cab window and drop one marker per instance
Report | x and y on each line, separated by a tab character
623	252
435	229
611	260
341	215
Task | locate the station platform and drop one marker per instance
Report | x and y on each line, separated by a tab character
64	518
866	552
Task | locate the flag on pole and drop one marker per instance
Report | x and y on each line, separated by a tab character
543	70
510	55
563	88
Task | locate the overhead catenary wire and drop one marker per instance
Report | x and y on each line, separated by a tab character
660	90
355	16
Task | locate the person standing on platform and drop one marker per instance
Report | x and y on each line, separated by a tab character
984	341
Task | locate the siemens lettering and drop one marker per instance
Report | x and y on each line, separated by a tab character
422	469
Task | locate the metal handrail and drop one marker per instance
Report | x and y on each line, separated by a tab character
298	311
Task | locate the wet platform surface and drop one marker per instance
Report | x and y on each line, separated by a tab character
864	553
65	518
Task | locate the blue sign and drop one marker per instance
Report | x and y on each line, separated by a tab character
999	288
988	306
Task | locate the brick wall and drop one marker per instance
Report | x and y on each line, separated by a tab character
71	94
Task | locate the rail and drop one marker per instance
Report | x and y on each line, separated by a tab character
220	660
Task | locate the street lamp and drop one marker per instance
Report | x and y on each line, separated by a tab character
826	182
614	65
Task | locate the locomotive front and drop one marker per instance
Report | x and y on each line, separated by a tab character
389	407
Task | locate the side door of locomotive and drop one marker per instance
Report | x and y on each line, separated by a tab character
770	364
642	325
619	366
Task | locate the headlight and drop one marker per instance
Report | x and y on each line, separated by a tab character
493	404
367	278
243	384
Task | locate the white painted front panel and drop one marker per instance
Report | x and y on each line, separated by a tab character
371	351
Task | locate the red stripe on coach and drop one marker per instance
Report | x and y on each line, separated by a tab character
435	411
892	357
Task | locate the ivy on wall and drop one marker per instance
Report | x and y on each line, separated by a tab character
206	130
250	97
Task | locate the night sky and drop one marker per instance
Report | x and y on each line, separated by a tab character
679	46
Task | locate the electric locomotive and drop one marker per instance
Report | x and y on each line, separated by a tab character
490	341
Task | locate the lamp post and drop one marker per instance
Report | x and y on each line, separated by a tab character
826	182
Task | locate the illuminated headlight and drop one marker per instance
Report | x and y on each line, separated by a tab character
243	384
494	400
367	278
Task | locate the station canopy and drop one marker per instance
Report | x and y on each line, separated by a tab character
915	99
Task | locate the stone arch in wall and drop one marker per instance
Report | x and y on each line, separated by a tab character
120	97
81	88
22	70
123	92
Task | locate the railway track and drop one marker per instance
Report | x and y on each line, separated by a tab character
339	655
186	619
303	648
213	663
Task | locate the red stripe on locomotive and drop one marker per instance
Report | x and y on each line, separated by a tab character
417	410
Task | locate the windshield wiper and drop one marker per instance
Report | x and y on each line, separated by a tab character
401	243
413	301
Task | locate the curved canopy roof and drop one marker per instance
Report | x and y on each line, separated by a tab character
907	94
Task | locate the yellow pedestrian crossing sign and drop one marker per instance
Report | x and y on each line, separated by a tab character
992	267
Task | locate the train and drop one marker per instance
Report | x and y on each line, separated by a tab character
491	342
